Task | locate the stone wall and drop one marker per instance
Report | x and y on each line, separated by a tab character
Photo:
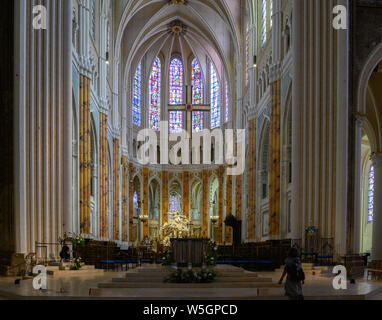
366	35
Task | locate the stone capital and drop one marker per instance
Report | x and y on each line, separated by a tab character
359	119
125	151
275	72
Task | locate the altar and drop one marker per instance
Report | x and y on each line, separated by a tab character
187	252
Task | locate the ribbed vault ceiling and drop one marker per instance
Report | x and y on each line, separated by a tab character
211	31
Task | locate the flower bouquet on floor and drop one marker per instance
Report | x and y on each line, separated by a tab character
77	264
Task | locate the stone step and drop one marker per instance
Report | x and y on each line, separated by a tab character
236	279
52	270
166	273
220	270
275	293
152	285
270	292
307	271
67	266
219	279
239	275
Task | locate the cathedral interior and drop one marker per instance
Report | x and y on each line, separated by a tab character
82	79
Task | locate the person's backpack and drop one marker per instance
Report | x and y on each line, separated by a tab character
295	272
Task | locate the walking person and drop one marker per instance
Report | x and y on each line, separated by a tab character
295	276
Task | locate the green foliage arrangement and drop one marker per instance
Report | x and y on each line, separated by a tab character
167	257
77	241
192	276
211	254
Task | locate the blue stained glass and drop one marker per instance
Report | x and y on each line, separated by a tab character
174	204
176	94
135	200
215	99
137	95
176	121
155	94
371	195
197	96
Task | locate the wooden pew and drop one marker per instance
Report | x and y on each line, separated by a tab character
375	273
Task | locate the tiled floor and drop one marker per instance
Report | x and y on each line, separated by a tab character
76	285
321	287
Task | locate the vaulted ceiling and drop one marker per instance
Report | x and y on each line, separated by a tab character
209	28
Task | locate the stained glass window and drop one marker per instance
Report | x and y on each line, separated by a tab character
137	96
174	204
215	98
226	102
197	96
263	35
135	200
176	94
176	121
371	195
155	92
176	81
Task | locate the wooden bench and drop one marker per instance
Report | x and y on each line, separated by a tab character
375	273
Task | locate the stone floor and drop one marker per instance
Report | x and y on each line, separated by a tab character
76	285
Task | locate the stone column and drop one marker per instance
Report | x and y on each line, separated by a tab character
104	173
116	166
164	197
68	117
146	200
20	127
238	196
343	227
206	204
85	157
131	203
297	104
354	220
275	160
228	230
125	198
186	195
376	253
251	225
276	31
221	199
